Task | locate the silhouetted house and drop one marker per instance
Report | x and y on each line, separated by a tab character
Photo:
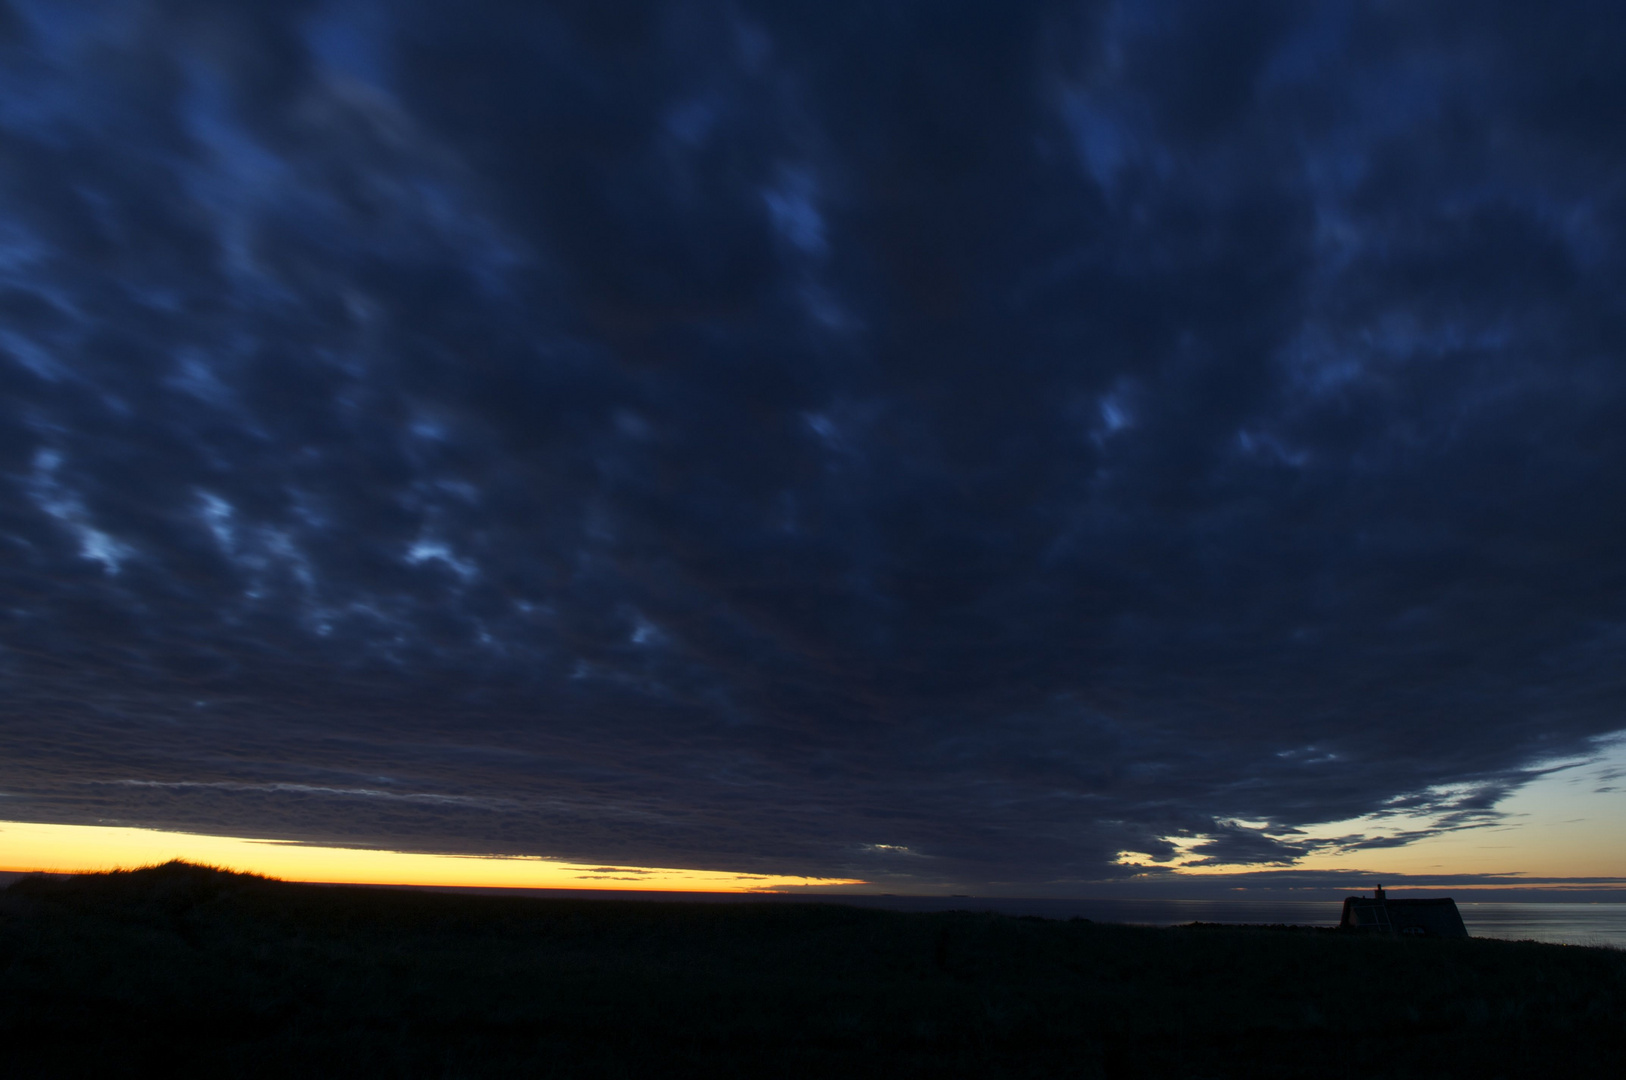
1377	914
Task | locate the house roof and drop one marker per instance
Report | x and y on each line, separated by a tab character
1424	918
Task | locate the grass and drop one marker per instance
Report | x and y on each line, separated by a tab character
187	970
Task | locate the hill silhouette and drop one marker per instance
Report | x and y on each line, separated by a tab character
186	969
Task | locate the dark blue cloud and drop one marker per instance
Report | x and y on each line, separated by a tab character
954	440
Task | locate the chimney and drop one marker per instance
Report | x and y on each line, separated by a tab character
1377	893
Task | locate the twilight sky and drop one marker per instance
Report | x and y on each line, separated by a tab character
890	440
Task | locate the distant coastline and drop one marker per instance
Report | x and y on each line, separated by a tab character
1561	917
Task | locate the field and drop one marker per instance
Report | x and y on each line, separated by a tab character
185	970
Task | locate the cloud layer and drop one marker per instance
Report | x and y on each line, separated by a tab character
954	440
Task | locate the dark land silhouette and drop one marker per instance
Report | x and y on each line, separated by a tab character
185	970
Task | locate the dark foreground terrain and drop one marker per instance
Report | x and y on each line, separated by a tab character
189	971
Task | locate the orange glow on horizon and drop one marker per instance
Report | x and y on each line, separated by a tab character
31	847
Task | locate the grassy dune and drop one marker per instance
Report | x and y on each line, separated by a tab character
188	970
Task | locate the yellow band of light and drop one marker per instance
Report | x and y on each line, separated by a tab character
79	848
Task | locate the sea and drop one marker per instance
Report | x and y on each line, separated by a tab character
1565	923
1599	924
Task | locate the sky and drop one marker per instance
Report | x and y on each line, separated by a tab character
1023	447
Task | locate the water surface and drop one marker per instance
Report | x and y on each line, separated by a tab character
1564	923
